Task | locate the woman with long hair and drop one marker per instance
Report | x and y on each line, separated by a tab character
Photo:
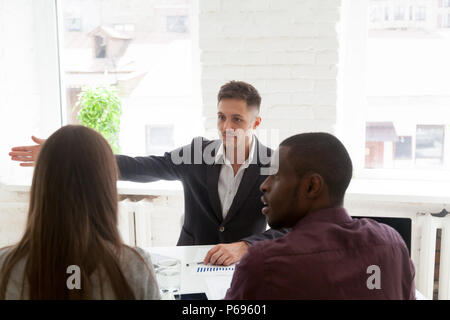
72	222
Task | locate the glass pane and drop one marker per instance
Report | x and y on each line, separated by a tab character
142	50
159	139
429	144
407	91
403	148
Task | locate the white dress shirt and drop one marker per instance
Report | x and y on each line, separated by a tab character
228	182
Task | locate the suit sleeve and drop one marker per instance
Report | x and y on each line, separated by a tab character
171	166
270	234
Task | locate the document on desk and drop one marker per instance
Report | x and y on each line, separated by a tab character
209	270
217	278
217	287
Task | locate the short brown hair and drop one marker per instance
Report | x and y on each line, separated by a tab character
322	153
242	91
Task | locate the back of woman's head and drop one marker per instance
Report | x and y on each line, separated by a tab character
72	218
74	187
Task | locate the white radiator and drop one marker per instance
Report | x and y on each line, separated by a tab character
425	277
126	222
146	224
135	222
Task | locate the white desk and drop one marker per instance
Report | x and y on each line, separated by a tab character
190	282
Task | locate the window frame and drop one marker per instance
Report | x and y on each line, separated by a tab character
48	61
45	72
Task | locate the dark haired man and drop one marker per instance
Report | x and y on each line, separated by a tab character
327	255
220	178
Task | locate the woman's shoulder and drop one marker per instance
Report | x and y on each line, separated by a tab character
135	256
138	269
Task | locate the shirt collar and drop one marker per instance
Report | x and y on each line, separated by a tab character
331	215
221	159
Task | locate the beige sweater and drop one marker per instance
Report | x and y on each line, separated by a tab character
136	273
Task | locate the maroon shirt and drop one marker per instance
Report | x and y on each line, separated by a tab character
326	256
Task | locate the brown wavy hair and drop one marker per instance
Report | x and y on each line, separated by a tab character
72	219
242	91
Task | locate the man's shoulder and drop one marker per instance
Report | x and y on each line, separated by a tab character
381	232
269	248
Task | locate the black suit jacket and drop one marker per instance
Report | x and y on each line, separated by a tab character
194	166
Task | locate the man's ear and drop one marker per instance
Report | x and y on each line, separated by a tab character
314	185
257	122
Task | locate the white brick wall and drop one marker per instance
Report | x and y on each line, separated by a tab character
288	49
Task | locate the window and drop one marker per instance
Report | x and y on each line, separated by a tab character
125	27
379	139
430	145
375	13
420	14
399	13
386	13
177	24
403	148
151	69
446	21
159	139
73	24
100	47
395	96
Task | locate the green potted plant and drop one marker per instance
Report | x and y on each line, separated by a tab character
100	108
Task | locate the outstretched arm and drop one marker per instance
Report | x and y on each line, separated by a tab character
138	169
27	155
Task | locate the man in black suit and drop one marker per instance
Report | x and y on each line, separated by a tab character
220	178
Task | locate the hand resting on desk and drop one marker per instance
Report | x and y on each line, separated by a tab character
226	253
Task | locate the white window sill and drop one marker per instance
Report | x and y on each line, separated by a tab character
399	191
159	188
359	190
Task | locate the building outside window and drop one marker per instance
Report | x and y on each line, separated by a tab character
159	139
73	24
402	114
421	13
399	13
430	145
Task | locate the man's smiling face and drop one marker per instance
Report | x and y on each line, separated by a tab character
236	122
